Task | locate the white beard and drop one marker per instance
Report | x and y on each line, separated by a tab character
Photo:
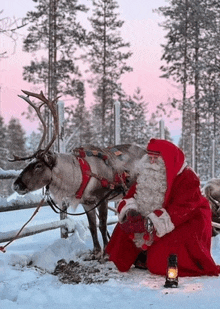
151	185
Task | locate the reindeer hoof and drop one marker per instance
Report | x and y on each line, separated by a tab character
93	255
97	254
104	259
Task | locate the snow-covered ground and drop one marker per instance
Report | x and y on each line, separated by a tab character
27	287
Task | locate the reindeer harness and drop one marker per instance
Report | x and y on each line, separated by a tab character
119	178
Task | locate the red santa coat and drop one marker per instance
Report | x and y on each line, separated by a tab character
189	212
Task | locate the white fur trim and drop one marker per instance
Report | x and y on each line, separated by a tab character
131	204
162	224
140	242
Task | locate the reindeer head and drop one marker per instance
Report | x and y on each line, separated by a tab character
38	172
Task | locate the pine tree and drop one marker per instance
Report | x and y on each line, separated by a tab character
97	133
3	144
125	117
15	142
191	54
14	137
138	122
32	141
4	184
175	54
78	124
107	57
60	17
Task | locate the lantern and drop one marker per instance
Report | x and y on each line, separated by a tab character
172	272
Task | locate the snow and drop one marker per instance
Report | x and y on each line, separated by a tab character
25	286
7	174
30	198
16	199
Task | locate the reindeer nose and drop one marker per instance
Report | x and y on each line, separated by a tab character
19	186
15	187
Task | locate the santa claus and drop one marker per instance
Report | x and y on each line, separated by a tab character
164	213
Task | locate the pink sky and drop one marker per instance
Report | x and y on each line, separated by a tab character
141	29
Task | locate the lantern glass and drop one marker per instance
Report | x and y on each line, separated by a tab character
172	272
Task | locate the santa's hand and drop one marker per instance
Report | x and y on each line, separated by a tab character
124	207
134	223
161	221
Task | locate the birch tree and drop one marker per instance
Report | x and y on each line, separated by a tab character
107	56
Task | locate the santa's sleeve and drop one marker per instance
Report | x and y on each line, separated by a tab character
127	203
183	204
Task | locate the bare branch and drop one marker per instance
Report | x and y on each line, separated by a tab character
9	27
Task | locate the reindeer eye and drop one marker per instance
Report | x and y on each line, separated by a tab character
38	166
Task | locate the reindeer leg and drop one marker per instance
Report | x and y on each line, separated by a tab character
103	213
93	230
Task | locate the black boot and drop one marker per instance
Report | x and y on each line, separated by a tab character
140	261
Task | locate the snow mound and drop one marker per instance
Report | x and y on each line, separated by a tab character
19	260
47	258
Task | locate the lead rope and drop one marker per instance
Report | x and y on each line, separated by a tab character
2	248
58	210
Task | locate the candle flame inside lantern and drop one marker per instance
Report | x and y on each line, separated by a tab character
172	273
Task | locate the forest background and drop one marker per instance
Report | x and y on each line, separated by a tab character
91	59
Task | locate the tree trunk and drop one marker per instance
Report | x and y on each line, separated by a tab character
184	118
104	79
196	85
52	59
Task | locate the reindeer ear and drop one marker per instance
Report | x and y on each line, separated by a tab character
50	159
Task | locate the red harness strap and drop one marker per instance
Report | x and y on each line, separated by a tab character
86	175
119	179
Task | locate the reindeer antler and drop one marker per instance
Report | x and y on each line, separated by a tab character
52	107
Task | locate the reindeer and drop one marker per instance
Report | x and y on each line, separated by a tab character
212	192
84	176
